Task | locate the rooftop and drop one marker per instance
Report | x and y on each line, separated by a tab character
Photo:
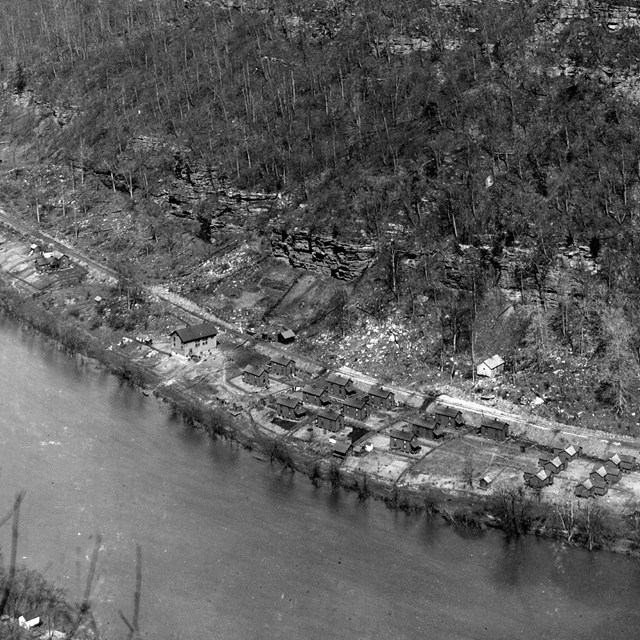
197	332
494	361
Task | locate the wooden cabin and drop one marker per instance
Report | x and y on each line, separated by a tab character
538	479
330	420
403	439
190	341
316	396
428	429
494	429
290	408
256	376
448	416
341	449
555	465
355	408
491	367
567	454
338	386
286	336
381	398
599	484
283	366
624	462
585	489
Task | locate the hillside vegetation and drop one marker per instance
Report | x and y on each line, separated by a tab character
473	145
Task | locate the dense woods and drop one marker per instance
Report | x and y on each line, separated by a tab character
462	134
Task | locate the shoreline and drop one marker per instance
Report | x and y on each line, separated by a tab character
514	513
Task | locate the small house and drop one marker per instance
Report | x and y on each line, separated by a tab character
403	439
544	457
491	367
381	398
567	454
190	341
286	336
256	376
330	420
283	366
448	416
341	449
623	462
428	429
494	429
290	408
585	489
338	386
599	485
355	408
555	465
43	264
316	396
612	472
539	479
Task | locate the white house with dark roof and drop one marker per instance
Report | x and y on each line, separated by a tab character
190	341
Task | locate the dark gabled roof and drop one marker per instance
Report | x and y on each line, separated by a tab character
379	392
421	422
556	462
341	381
622	458
494	423
196	332
599	472
402	434
327	414
313	391
356	403
256	371
597	480
282	360
292	403
342	447
287	334
449	412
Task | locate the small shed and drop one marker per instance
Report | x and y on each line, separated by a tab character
555	465
190	341
256	376
283	366
448	416
381	398
355	408
330	420
428	429
341	449
624	462
585	489
403	439
316	396
491	367
290	408
538	479
339	386
494	429
286	336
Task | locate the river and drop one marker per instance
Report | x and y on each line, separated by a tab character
234	549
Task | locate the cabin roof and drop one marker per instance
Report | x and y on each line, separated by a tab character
443	410
336	378
493	362
379	392
196	332
402	434
292	403
356	403
342	447
494	423
327	414
287	334
282	360
313	391
256	371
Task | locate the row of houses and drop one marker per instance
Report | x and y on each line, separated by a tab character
551	464
604	475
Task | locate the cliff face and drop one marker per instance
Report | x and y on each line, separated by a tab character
322	253
611	14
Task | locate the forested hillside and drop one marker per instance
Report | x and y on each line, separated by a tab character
488	152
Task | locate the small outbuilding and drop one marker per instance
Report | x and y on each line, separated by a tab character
381	398
355	408
339	386
448	416
341	449
256	376
290	408
428	429
494	429
491	367
330	420
283	366
403	439
286	336
190	341
316	396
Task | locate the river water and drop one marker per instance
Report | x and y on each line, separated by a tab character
234	549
